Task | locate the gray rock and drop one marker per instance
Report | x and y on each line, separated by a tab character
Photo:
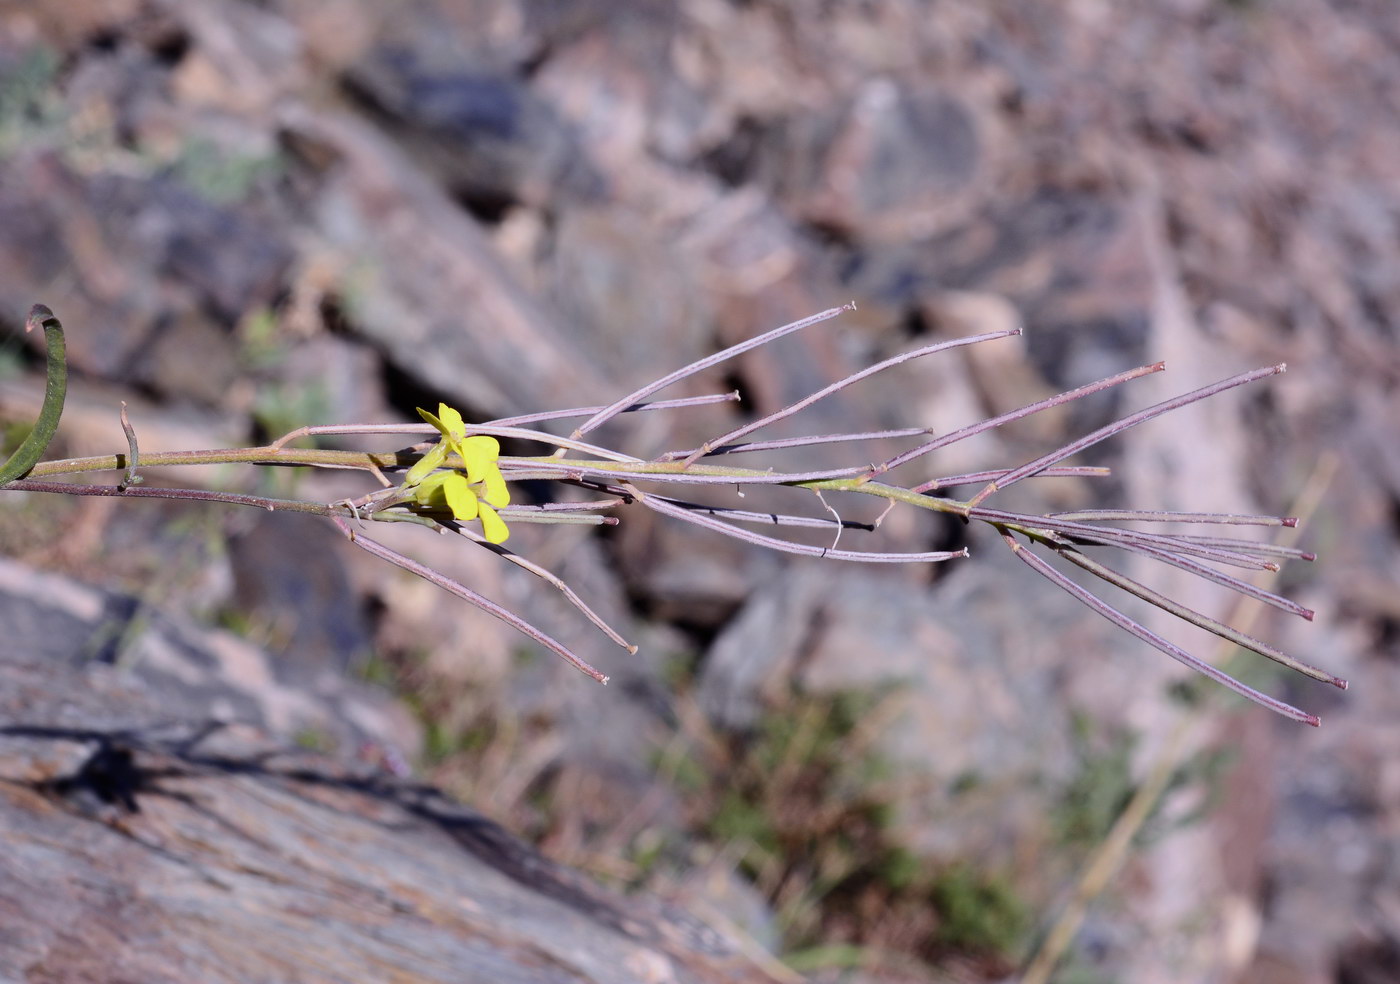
428	288
232	857
290	582
639	327
889	165
193	674
479	129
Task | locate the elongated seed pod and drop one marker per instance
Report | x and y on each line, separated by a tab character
29	453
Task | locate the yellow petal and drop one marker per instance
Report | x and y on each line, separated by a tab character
456	428
494	488
492	525
426	464
460	497
478	454
487	444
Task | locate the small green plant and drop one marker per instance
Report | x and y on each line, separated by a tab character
219	174
278	406
1104	783
29	105
460	483
978	912
1098	790
802	805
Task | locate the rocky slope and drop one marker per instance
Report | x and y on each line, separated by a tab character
257	215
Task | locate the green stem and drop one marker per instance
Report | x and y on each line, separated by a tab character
257	456
894	492
663	468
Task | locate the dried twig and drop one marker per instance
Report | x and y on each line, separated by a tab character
133	453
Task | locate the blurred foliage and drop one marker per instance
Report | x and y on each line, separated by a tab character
261	345
34	112
221	175
980	913
29	104
12	435
805	806
281	407
1099	788
800	805
1103	782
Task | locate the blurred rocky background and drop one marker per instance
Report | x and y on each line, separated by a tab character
253	216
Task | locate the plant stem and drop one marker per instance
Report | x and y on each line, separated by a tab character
839	385
467	594
319	457
202	495
1153	639
612	410
1211	625
1118	426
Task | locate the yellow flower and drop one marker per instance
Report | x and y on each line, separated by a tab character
450	489
465	489
478	453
